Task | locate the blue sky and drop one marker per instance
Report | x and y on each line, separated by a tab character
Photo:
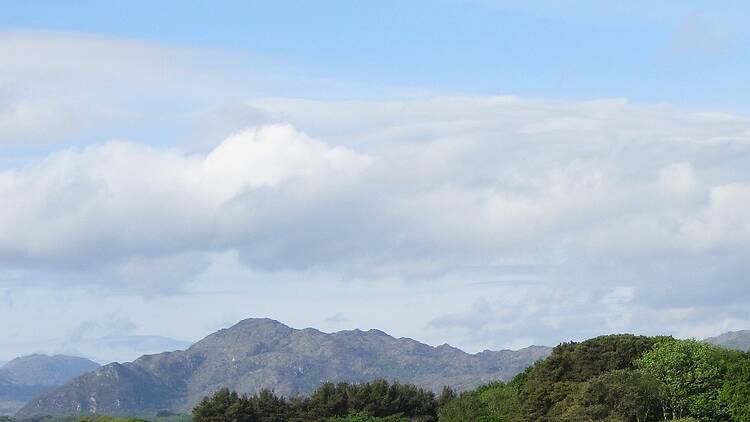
488	174
692	53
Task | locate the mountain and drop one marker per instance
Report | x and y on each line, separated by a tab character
46	370
262	353
736	340
26	377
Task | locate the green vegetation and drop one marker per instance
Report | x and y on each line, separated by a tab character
373	401
365	417
619	378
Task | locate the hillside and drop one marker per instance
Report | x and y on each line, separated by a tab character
734	340
262	353
26	377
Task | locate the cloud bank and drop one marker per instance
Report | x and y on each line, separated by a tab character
403	187
124	205
503	220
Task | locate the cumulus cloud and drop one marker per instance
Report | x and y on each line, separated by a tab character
405	188
127	205
481	221
574	217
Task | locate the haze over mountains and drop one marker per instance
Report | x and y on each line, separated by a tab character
262	353
736	340
26	377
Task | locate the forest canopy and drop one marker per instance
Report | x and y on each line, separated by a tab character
618	378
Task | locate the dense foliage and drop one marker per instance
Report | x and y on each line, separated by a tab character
619	378
377	400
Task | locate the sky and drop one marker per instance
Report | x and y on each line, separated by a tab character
487	174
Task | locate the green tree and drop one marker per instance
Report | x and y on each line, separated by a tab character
268	407
735	393
364	417
502	401
547	384
446	394
626	394
691	376
466	407
225	406
329	400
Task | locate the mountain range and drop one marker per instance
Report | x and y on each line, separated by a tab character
263	353
26	377
252	355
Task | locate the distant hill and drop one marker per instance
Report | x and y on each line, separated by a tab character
262	353
26	377
735	340
46	370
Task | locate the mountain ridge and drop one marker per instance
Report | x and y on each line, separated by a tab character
259	353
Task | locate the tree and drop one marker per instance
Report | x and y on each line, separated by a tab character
466	407
364	417
225	406
548	383
269	407
502	400
691	376
735	393
447	394
626	394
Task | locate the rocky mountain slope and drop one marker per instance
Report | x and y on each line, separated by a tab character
736	340
26	377
262	353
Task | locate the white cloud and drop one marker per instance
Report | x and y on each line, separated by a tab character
128	205
413	187
54	86
567	218
59	88
271	156
724	221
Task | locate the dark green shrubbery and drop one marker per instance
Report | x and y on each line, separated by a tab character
338	402
619	378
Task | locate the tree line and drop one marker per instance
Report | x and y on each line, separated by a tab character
336	402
